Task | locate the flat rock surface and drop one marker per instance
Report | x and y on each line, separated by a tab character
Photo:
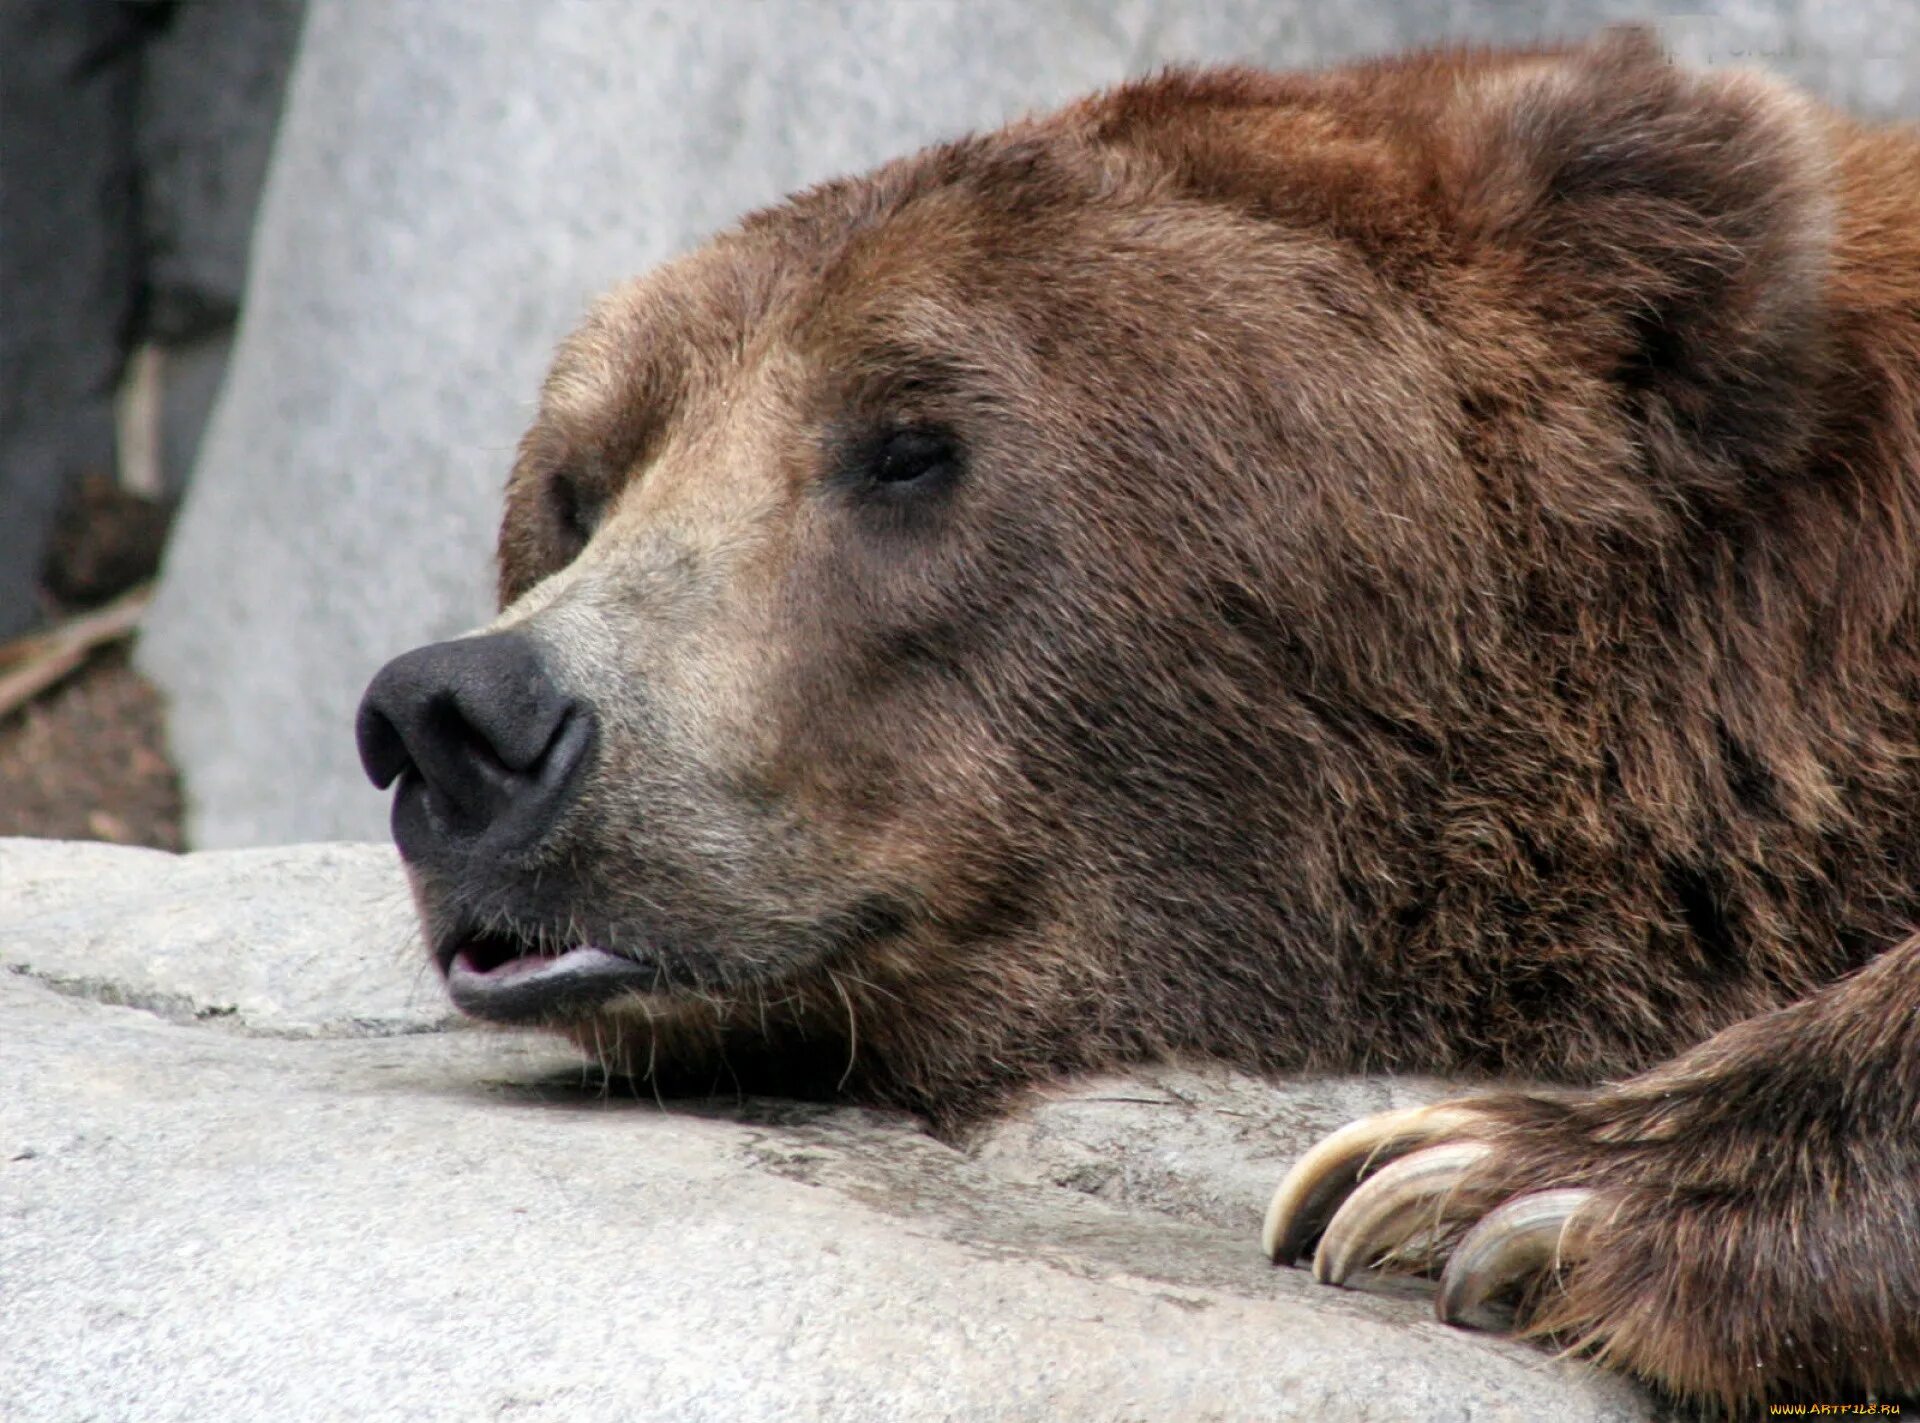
311	939
321	1200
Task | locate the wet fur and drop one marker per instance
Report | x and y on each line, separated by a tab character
1433	587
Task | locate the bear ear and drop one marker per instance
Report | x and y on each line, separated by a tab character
1675	228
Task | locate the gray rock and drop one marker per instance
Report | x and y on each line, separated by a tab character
210	1217
1206	1146
211	83
318	939
455	178
210	88
191	373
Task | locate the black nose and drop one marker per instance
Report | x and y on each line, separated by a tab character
485	749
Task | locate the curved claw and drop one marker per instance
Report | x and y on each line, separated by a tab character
1393	1205
1529	1235
1310	1193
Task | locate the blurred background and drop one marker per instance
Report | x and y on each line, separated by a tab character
278	283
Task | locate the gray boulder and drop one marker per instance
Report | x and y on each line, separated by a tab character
248	1169
455	178
210	88
211	79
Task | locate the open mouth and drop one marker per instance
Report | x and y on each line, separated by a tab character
505	978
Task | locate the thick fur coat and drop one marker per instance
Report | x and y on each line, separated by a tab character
1411	567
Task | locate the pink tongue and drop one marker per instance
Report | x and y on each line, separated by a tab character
577	956
524	989
528	963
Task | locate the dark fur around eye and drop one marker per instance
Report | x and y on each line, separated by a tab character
913	455
575	512
905	461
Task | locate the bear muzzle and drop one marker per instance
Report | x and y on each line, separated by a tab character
484	753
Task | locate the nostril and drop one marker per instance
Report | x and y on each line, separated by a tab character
572	741
383	751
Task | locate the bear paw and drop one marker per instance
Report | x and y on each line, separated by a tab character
1399	1189
1695	1228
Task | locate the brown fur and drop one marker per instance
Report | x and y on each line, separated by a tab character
1429	583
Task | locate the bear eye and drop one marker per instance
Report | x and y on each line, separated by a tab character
913	456
575	511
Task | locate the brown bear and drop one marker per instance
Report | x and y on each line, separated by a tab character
1410	567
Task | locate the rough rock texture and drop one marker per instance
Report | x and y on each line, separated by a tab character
293	942
242	1175
454	178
